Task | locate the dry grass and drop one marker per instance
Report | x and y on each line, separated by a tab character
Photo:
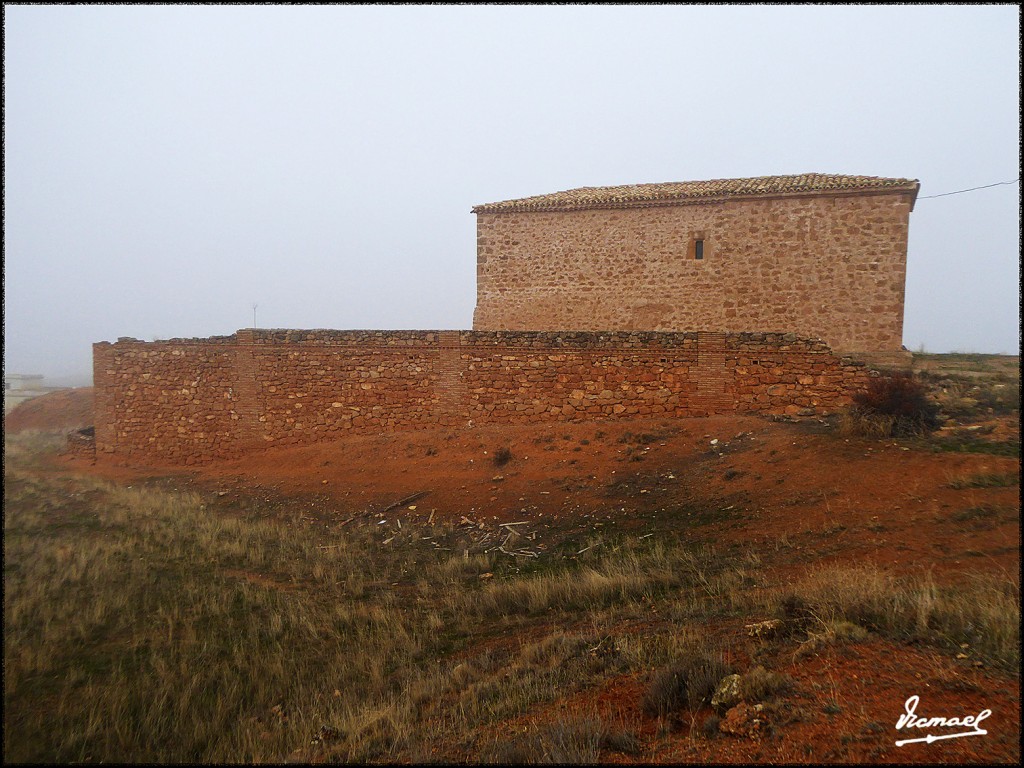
760	684
140	625
859	422
985	480
970	398
575	741
985	516
154	629
983	611
831	632
955	392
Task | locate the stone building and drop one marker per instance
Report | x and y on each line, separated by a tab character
822	256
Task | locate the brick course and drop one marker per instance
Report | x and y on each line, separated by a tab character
185	401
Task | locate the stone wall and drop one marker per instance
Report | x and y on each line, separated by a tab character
824	266
175	400
192	400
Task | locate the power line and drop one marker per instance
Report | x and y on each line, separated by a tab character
961	191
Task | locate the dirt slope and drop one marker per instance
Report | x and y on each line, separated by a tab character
64	409
755	481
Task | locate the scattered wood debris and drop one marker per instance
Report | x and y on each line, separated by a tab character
401	502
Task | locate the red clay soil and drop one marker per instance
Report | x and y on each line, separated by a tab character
796	494
64	409
767	484
831	714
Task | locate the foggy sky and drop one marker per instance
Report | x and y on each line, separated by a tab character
166	168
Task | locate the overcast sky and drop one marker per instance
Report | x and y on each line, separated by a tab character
166	168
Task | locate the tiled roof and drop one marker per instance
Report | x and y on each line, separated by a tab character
640	195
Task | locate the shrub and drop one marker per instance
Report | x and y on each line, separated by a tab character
903	399
710	726
686	683
626	742
796	613
760	685
566	742
502	456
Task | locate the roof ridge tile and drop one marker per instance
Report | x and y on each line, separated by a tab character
637	195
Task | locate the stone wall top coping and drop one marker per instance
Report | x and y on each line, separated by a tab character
537	341
634	341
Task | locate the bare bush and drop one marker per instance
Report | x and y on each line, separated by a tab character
899	400
502	456
688	682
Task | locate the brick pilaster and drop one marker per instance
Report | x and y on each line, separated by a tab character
711	374
245	392
104	418
451	389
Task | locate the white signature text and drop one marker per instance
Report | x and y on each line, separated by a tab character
910	719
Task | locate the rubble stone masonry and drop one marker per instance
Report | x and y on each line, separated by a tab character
828	266
186	401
